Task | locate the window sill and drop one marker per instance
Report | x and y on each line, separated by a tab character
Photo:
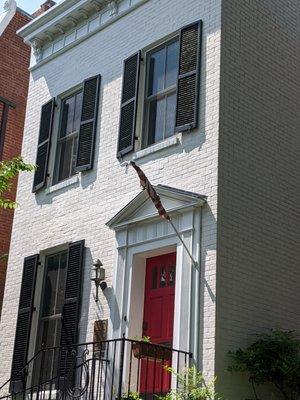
171	141
61	185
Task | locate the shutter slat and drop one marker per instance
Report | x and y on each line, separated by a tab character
44	143
24	319
71	309
88	125
129	104
188	84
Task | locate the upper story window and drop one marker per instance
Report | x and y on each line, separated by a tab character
67	142
168	77
160	99
76	134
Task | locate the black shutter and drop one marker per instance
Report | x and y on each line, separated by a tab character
129	104
24	321
188	84
71	309
44	142
88	125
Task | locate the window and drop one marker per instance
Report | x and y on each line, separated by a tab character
75	138
67	142
161	87
50	325
170	103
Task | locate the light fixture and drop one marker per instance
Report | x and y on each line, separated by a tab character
99	278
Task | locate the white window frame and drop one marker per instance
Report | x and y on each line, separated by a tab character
59	140
55	135
142	120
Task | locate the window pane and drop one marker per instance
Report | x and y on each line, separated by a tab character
172	276
156	120
52	267
49	328
60	294
77	114
154	278
172	63
65	159
163	277
170	117
51	332
156	71
71	108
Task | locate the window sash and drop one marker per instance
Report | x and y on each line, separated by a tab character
63	102
43	319
71	167
67	137
162	94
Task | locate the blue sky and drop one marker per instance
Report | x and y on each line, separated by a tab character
28	5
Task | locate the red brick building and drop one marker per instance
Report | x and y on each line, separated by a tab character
14	78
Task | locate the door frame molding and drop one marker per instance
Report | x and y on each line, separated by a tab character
137	241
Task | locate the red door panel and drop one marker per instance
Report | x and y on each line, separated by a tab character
158	319
153	326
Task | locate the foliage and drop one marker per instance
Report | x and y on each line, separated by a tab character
273	358
132	396
145	339
8	171
191	386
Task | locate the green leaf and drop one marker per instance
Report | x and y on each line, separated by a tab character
8	172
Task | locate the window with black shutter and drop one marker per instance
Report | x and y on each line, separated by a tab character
24	320
44	142
77	124
60	307
171	71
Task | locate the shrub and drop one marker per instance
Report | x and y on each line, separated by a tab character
191	386
273	358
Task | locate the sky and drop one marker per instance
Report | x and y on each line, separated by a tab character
28	5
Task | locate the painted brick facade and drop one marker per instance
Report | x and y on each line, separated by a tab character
80	211
258	284
14	79
243	157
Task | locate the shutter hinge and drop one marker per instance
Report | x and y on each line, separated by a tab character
39	263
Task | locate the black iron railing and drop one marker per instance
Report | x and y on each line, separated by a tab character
119	369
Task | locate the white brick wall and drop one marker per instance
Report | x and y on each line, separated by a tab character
80	211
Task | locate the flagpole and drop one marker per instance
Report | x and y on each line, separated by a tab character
146	185
195	264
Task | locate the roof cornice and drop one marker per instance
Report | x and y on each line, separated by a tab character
57	11
47	34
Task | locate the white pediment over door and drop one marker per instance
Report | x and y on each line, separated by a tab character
141	207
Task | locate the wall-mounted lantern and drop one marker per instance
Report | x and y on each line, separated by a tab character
99	278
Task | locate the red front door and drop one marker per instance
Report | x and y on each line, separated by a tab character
158	319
